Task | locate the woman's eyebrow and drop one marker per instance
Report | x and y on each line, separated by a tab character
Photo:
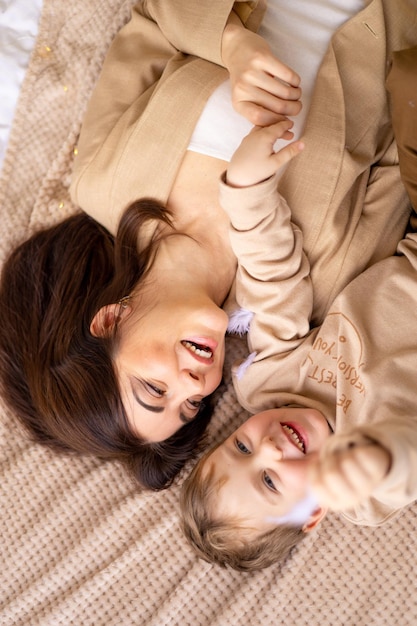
149	407
158	409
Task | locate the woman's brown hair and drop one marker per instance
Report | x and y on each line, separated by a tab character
216	539
55	375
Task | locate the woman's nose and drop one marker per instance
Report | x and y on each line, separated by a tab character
194	380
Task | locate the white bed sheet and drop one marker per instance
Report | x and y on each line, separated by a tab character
18	30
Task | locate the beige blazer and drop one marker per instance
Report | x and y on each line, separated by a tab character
147	101
345	187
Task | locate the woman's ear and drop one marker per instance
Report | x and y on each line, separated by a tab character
106	318
314	519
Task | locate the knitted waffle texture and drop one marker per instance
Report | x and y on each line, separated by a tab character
80	543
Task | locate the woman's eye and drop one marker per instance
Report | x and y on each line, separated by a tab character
195	404
268	482
241	447
153	389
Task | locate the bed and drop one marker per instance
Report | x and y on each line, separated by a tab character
80	543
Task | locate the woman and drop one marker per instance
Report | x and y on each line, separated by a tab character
142	313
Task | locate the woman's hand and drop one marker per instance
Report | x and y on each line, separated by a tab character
255	159
346	476
263	88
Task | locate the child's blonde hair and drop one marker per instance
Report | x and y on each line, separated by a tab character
217	540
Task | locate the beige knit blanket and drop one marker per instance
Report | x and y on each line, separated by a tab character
79	543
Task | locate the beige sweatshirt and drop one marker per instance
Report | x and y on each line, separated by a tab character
358	367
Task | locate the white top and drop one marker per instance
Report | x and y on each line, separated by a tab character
298	32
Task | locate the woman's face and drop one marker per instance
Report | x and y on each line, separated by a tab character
168	360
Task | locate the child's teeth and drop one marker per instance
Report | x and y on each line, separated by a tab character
294	437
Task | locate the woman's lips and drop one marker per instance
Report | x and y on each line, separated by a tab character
205	342
201	348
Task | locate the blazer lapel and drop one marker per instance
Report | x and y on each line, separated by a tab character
347	105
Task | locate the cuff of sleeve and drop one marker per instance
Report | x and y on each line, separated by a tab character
250	12
247	206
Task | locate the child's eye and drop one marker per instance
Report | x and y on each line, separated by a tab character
241	447
268	482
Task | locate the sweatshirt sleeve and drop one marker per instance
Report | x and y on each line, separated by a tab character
272	281
197	27
398	435
383	302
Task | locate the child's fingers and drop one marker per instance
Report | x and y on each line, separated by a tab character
288	135
329	483
343	479
256	160
287	153
362	466
276	131
374	461
280	130
260	115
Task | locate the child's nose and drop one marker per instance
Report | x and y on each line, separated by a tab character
294	473
274	448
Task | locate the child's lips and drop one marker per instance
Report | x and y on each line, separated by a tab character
295	437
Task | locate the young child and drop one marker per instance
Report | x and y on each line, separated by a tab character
344	435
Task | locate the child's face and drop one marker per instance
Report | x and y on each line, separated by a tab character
262	467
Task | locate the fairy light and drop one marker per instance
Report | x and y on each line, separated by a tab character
44	51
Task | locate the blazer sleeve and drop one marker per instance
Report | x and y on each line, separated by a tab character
197	27
383	301
402	87
137	106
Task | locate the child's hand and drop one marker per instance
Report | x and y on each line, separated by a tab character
263	88
344	477
255	159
